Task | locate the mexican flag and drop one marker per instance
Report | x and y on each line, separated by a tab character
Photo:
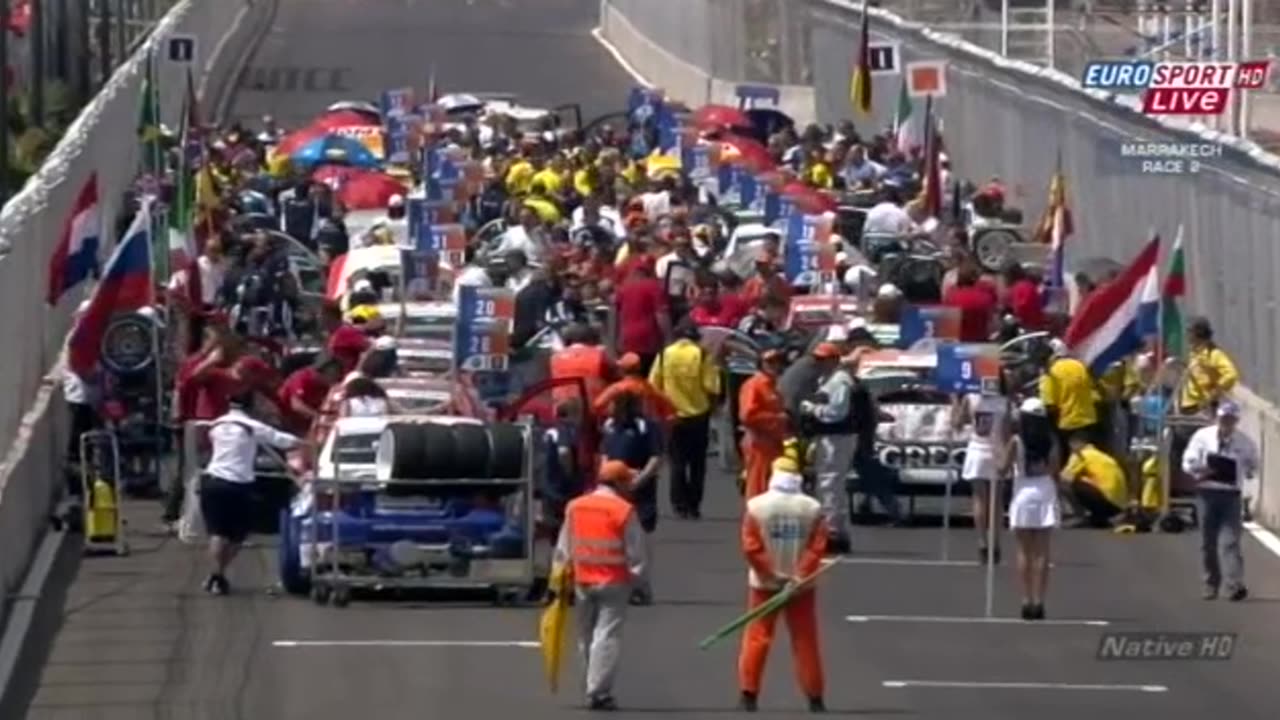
1173	339
906	126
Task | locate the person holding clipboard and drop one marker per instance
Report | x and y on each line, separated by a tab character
1220	457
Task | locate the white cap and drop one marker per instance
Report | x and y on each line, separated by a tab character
889	291
1058	347
1227	408
837	333
385	342
395	201
857	324
362	285
1033	406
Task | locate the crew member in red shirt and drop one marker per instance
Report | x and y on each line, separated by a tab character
710	310
767	280
304	392
346	343
977	305
642	318
1024	299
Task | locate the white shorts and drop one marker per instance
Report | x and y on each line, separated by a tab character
1035	504
979	464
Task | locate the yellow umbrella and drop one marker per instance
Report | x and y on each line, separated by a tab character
553	625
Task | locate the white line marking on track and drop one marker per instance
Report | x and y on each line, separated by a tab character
1023	686
598	34
1264	536
906	562
406	643
969	620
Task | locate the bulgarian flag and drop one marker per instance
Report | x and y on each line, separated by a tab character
1173	338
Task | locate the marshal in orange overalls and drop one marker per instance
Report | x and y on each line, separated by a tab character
764	420
784	539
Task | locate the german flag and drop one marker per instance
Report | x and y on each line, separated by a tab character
860	85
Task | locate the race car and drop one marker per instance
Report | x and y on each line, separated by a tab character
919	443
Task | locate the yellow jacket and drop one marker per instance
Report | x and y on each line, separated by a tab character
1210	375
1100	470
1067	386
689	376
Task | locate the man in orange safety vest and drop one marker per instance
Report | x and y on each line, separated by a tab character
603	546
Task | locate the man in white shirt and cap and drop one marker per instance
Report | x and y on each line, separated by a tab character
226	486
1220	457
887	220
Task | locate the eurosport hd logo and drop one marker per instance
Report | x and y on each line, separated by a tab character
1174	89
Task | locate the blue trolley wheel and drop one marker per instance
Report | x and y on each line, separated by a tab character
293	578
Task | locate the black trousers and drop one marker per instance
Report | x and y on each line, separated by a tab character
83	420
1095	504
687	453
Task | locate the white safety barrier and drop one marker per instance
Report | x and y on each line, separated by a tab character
998	113
104	138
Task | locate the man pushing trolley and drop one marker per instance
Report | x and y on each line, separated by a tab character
784	539
602	545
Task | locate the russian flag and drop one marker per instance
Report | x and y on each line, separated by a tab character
125	286
1116	319
75	257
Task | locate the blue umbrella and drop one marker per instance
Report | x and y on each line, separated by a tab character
334	150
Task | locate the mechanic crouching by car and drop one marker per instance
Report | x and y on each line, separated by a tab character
831	423
226	499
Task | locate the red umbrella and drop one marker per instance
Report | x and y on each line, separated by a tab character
369	190
809	199
747	151
715	116
343	118
335	175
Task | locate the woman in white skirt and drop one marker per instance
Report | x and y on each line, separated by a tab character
987	417
1033	456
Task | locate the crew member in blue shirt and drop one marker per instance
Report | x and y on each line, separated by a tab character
635	440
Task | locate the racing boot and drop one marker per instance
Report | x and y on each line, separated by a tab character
747	702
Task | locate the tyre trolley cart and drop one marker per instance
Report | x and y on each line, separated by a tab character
101	483
450	505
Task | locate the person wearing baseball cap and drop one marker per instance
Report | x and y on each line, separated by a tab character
1220	457
602	544
764	421
831	420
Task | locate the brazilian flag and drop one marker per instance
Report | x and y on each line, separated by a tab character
149	123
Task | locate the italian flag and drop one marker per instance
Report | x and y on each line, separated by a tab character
906	128
1173	340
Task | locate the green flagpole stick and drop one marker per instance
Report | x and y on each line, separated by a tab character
772	605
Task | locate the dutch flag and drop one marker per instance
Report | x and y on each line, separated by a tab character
1117	318
75	258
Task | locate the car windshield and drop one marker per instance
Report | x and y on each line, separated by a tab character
361	449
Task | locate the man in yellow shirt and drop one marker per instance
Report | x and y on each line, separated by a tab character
689	377
1210	372
1096	481
1068	392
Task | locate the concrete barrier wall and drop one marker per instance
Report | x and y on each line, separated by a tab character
103	139
1013	120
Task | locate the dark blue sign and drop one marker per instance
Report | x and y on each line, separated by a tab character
482	335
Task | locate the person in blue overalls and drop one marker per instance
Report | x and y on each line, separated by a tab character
635	440
564	480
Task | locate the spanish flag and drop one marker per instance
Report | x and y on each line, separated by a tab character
860	85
